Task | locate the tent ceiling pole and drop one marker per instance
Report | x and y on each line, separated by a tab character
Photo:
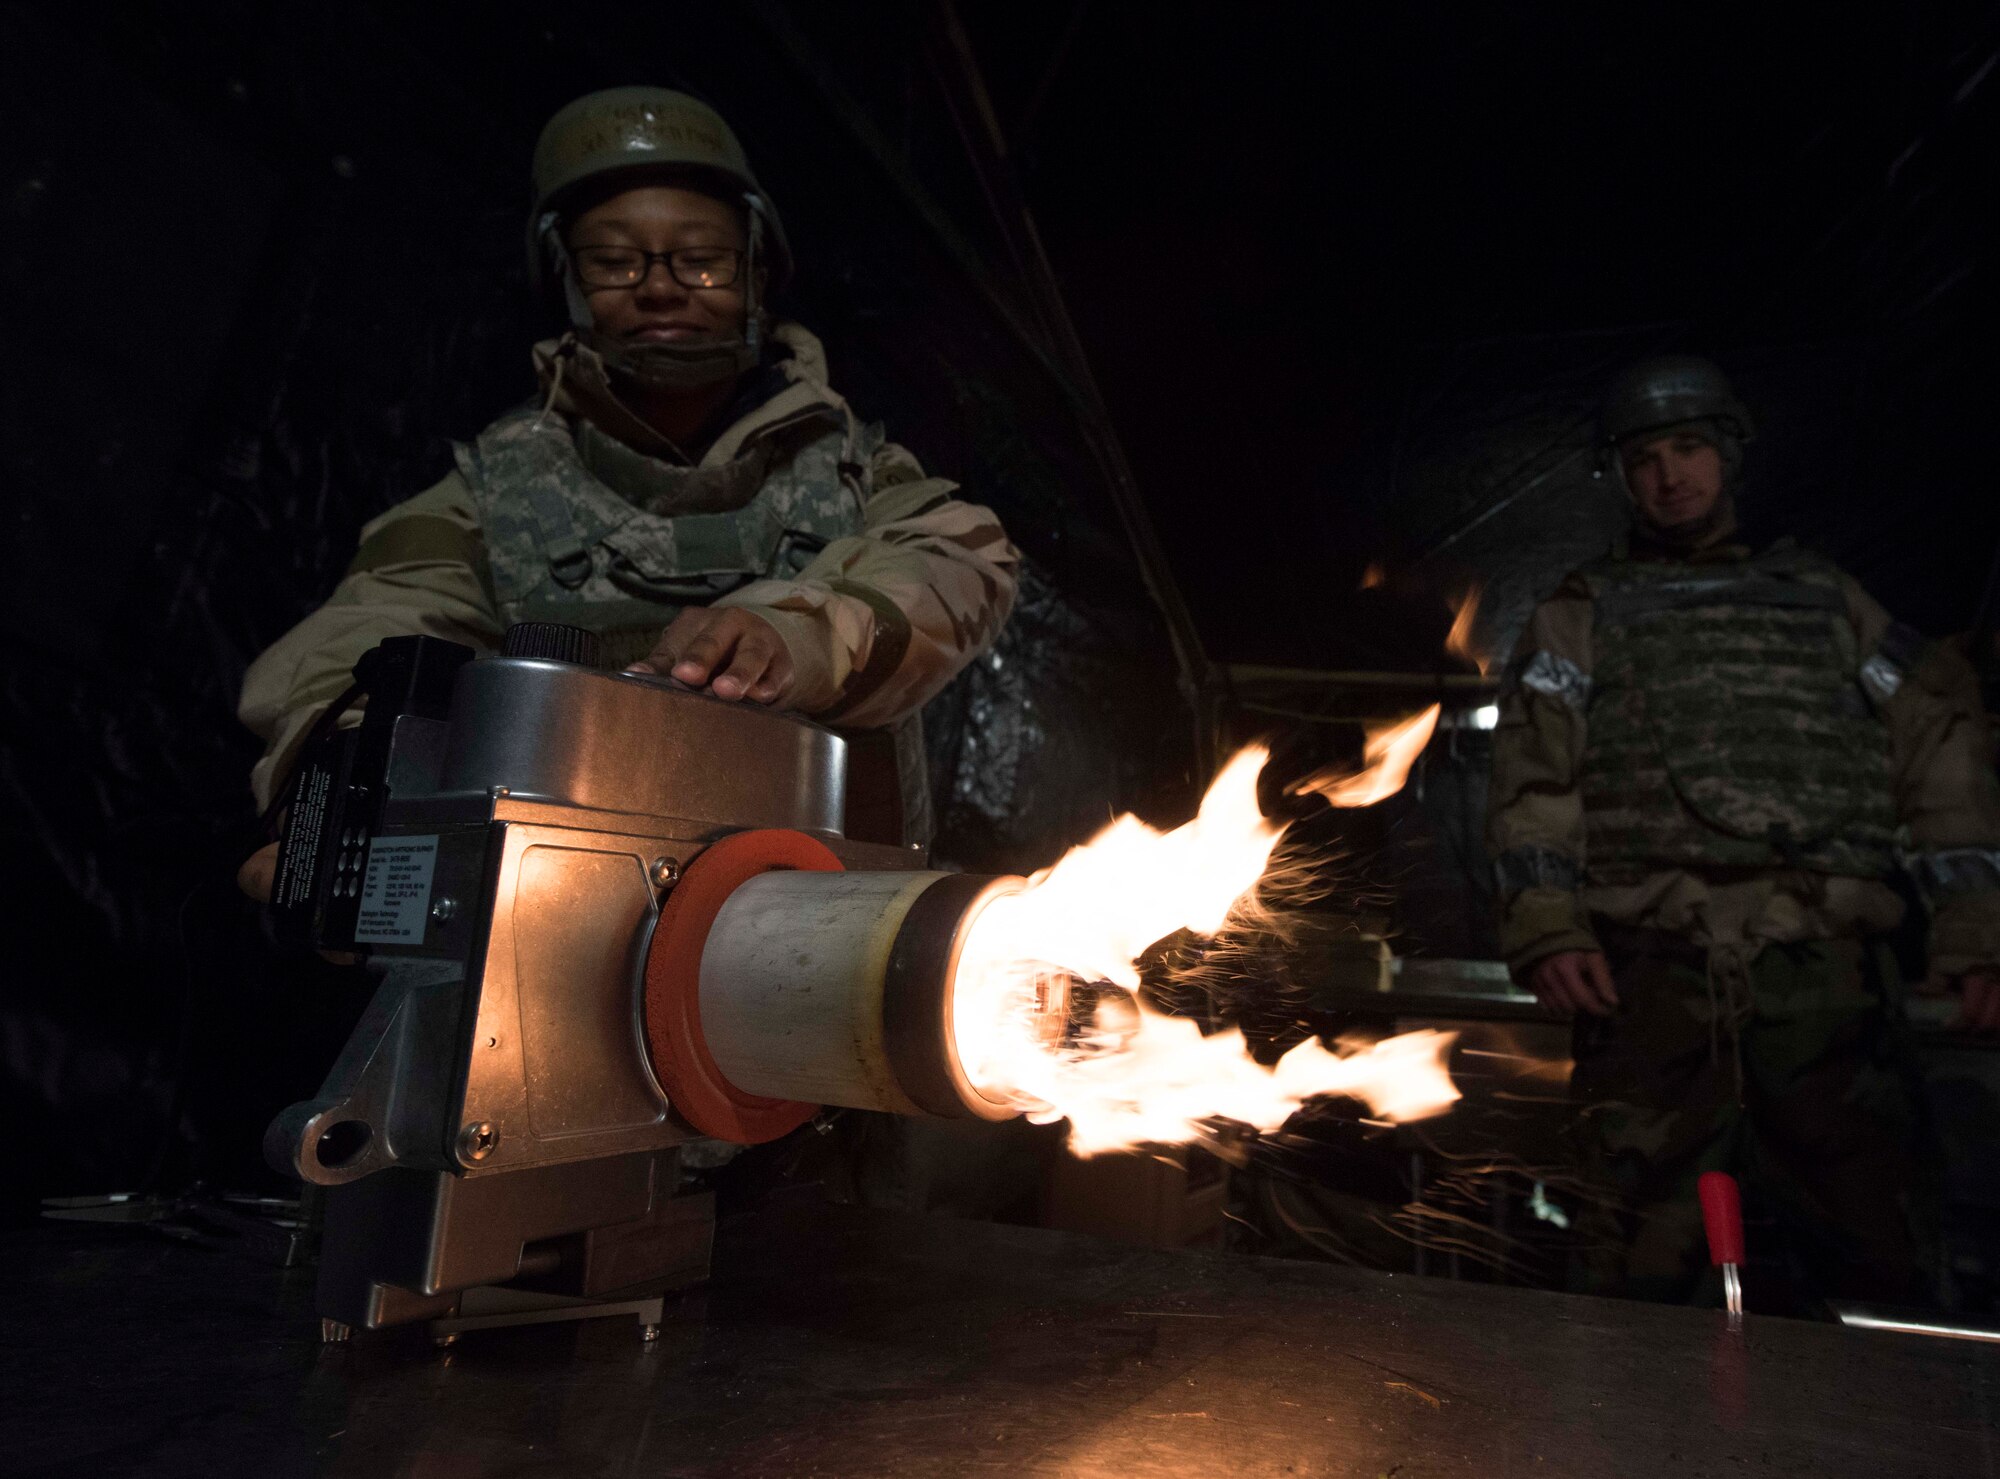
986	148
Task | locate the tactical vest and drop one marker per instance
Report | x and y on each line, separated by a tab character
582	529
1727	726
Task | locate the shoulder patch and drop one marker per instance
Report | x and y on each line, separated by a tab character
1521	868
1554	677
1885	668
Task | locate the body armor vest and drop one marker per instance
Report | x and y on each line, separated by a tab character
1727	726
582	529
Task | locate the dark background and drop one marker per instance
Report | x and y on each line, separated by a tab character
1349	278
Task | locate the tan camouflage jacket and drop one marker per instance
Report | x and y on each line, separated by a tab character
945	565
1947	800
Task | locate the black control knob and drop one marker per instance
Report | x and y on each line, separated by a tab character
551	641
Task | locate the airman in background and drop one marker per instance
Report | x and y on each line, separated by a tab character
1708	766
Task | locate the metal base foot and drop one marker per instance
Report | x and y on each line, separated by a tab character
494	1309
335	1332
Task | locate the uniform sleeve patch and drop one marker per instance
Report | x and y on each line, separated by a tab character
1556	677
1956	870
1521	868
1883	673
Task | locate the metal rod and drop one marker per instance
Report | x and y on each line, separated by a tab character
1243	672
1867	1317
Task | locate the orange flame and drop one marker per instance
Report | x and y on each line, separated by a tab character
1137	1076
1387	755
1458	641
1373	576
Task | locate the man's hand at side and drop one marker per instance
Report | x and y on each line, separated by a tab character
1575	981
733	653
259	873
1978	1002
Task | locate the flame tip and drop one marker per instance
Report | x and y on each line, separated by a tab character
1458	641
1096	911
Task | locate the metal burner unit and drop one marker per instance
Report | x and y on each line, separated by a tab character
609	917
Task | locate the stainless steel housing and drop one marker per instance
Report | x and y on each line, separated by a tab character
505	1031
550	731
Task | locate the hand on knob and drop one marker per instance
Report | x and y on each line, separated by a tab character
731	652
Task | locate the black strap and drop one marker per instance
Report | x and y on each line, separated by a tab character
569	561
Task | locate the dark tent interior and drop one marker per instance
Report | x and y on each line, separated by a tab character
1273	334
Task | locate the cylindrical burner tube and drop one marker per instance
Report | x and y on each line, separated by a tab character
836	988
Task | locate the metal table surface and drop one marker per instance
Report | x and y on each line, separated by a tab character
840	1342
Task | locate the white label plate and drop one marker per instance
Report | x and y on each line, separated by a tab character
396	890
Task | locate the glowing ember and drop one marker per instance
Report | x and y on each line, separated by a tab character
1388	754
1458	641
1373	576
1131	1075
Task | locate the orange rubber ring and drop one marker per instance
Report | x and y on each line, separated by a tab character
695	1087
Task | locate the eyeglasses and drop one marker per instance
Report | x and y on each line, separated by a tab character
626	267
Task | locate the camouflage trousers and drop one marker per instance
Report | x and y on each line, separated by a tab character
1785	1069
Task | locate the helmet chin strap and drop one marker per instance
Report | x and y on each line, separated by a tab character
666	366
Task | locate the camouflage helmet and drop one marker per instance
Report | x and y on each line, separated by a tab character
619	129
1666	391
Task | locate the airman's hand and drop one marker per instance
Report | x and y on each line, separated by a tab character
259	873
1978	1002
732	652
1575	981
